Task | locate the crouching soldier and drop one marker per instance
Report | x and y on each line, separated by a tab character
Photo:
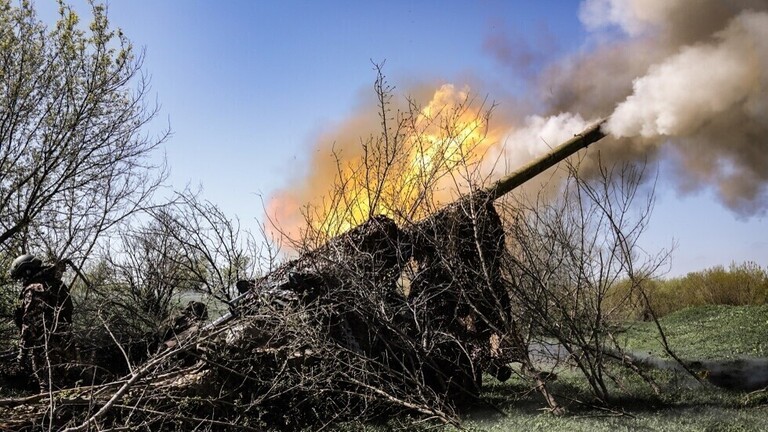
44	318
186	322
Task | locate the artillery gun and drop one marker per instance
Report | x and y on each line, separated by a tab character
381	316
453	300
381	243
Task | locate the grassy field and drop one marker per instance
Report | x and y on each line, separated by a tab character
707	332
703	333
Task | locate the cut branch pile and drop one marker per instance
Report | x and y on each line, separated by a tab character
329	336
379	321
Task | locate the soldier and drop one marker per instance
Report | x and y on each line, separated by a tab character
44	318
186	322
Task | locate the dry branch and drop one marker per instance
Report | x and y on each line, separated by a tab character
378	321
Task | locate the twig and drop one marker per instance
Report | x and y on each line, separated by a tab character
123	389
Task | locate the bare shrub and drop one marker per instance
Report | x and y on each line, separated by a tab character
186	250
417	161
566	254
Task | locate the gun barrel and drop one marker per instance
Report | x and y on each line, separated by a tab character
377	232
505	185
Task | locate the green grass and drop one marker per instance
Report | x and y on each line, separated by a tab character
706	332
691	418
683	406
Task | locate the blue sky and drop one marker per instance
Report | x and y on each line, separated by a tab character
247	86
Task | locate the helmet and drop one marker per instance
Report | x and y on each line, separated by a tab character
24	266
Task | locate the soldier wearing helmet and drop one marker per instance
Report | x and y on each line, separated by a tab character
44	318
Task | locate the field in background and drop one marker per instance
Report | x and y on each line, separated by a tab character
737	285
708	332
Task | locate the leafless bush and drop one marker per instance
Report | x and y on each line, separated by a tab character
416	162
212	249
567	253
186	250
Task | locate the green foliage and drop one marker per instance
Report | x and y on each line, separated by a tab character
9	294
74	159
739	284
743	284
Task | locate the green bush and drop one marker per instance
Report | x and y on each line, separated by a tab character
738	285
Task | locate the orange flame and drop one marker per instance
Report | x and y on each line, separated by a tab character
425	159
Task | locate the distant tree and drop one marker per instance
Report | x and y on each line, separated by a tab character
75	159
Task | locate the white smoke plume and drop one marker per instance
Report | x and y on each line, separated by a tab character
534	138
688	90
687	75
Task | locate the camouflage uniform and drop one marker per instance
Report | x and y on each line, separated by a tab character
45	318
194	314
